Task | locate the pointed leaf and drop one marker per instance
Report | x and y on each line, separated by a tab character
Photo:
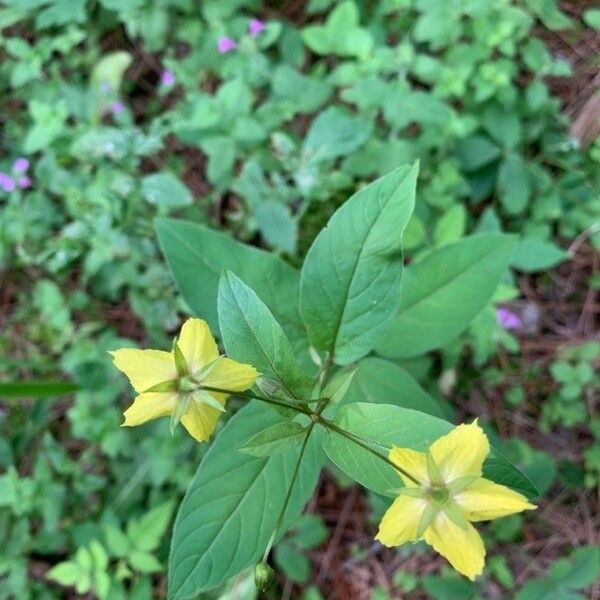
230	509
444	292
252	335
350	282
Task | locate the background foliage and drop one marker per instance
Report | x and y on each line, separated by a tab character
264	142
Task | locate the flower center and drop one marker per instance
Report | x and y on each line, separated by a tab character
187	384
439	494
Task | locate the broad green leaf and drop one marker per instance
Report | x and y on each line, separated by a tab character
335	132
252	335
383	382
164	189
36	389
198	255
533	255
444	292
231	507
277	438
351	277
386	426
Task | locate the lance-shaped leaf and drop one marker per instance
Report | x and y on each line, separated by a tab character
230	509
350	281
444	292
252	335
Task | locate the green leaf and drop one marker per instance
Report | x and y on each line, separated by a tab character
110	69
340	34
592	18
146	532
164	189
277	226
65	573
451	226
476	151
232	504
351	277
338	385
198	255
533	255
144	562
252	335
277	438
513	184
36	389
383	382
444	292
386	425
335	132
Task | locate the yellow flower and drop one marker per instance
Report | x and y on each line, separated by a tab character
173	383
451	494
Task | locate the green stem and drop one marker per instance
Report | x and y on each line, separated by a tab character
288	495
317	418
296	407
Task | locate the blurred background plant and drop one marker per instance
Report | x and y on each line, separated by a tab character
259	119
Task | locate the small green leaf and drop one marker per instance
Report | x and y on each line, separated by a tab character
164	189
277	438
144	562
66	573
533	255
252	335
338	385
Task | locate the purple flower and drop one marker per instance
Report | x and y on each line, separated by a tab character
21	165
508	319
226	44
167	78
105	87
117	107
24	182
7	183
255	27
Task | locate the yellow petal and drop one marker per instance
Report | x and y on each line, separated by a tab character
463	548
461	452
400	522
413	462
149	406
200	420
230	375
484	500
145	368
197	344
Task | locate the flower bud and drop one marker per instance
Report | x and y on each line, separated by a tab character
263	576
